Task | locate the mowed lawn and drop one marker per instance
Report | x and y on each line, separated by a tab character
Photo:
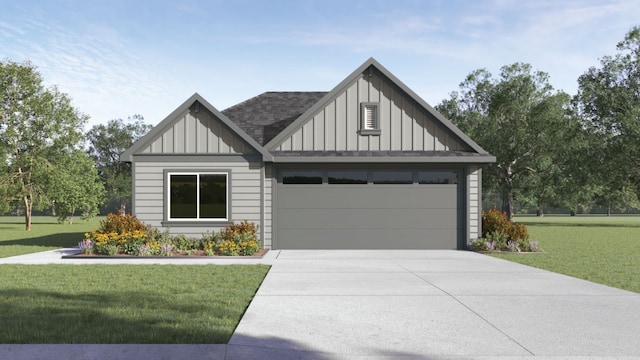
46	234
124	304
114	304
601	249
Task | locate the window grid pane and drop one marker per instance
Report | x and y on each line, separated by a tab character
213	196
184	189
198	196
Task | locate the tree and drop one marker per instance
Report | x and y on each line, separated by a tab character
36	123
106	143
519	119
608	102
75	186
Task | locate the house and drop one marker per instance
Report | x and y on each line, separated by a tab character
368	165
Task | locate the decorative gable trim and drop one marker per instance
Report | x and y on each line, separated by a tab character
198	101
371	65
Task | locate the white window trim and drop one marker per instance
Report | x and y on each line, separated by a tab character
365	128
197	219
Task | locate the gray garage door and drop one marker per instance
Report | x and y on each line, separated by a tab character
368	209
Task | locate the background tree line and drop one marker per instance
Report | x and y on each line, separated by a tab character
552	149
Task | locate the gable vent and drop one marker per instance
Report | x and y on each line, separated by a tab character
370	117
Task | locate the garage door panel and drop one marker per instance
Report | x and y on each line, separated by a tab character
366	218
365	239
331	197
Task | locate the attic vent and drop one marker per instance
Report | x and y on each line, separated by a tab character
370	124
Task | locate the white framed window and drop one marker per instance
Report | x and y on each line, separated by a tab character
369	118
198	196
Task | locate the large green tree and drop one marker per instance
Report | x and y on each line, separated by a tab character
608	102
36	124
106	143
519	118
75	186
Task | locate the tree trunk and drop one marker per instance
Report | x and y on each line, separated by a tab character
27	214
123	207
507	204
609	208
540	212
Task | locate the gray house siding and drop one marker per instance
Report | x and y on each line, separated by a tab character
150	193
268	206
197	133
404	126
475	202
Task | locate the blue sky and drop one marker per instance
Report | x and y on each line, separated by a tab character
118	58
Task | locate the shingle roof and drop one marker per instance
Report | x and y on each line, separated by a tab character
264	116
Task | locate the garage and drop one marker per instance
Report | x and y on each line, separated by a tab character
369	208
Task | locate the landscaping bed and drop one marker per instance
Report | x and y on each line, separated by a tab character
125	235
197	254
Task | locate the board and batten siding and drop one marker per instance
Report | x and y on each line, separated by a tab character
150	197
197	133
475	203
404	125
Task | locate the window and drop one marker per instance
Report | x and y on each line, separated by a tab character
370	123
347	177
198	196
302	177
393	177
437	177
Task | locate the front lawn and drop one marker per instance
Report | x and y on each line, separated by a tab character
124	304
601	249
46	234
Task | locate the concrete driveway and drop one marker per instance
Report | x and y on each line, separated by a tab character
430	305
398	304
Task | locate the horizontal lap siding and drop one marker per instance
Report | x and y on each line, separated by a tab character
149	192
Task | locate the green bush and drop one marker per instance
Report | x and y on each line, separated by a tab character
499	233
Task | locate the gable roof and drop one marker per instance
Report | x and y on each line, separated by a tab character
371	62
264	116
159	129
264	121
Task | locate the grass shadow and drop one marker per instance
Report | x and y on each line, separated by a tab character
49	317
53	240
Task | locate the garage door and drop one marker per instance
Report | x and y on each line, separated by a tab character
368	209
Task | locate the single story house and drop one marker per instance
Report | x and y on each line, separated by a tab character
367	165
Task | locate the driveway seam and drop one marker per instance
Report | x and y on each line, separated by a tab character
470	309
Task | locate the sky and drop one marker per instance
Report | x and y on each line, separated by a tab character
117	58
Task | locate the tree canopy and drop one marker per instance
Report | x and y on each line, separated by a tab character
37	125
106	143
520	119
608	103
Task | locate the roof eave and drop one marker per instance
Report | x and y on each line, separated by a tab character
475	159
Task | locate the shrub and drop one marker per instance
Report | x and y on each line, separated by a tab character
122	223
495	221
501	234
184	243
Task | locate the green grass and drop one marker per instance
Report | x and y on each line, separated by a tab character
120	304
601	249
46	234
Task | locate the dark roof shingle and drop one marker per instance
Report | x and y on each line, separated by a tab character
264	116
